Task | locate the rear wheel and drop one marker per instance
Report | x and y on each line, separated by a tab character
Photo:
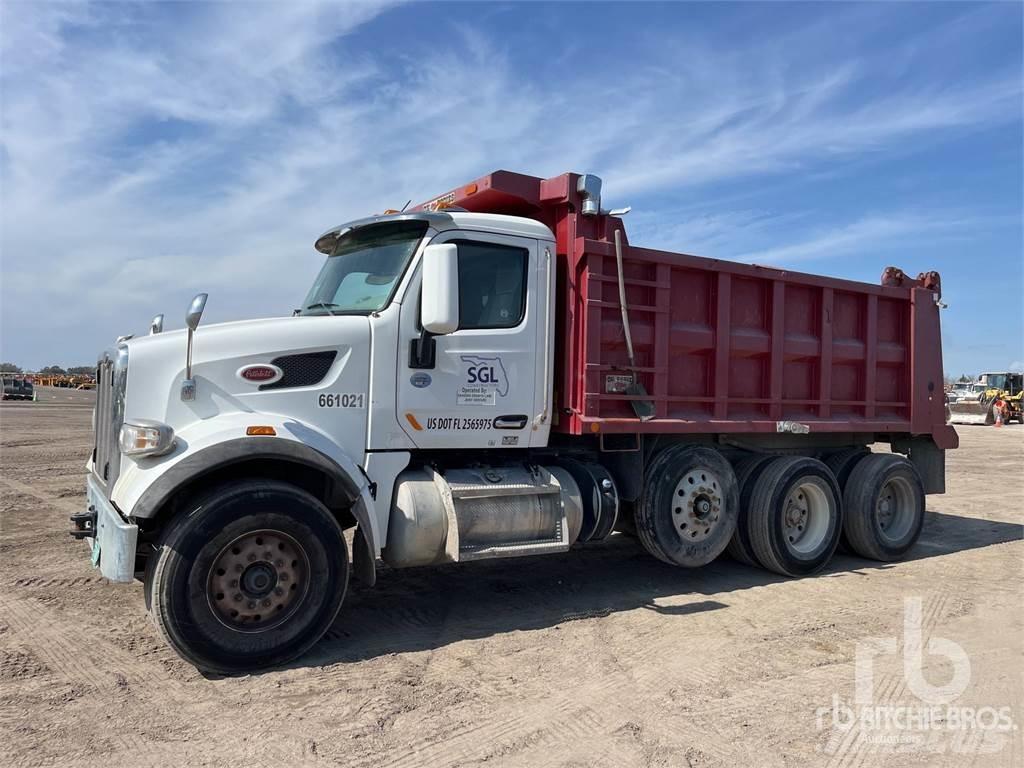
747	471
841	464
689	507
251	577
884	505
794	516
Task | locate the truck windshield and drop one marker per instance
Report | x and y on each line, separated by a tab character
361	274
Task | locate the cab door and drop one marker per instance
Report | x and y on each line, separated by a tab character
482	385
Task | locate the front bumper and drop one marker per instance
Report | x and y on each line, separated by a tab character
112	540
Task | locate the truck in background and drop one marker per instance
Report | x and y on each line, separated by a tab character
497	373
18	388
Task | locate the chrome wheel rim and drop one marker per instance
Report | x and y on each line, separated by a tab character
696	505
805	518
894	509
258	581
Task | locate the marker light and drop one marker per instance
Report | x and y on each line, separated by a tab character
269	431
470	189
146	438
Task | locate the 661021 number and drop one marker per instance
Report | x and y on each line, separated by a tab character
344	400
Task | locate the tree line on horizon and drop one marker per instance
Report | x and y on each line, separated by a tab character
51	370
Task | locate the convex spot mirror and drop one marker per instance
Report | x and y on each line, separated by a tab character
195	311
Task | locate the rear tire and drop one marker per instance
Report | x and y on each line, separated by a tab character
841	465
747	470
884	507
689	507
794	516
250	578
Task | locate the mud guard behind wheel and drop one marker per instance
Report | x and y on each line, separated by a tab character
364	564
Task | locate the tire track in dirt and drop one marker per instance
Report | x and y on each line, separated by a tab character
619	693
856	750
75	581
63	504
638	679
78	660
60	656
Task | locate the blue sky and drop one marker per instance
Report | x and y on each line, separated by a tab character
152	151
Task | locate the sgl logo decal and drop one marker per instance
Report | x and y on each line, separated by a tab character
486	380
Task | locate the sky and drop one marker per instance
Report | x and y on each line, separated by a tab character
151	151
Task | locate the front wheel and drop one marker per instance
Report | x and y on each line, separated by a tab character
251	577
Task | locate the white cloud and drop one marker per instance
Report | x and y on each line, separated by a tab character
858	236
146	157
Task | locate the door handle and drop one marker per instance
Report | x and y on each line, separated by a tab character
423	351
516	421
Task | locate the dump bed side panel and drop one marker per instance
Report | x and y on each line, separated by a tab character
726	347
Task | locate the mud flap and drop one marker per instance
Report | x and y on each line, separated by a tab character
364	564
928	459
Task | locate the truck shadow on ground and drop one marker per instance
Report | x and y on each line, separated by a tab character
428	608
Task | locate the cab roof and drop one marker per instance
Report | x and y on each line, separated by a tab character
444	220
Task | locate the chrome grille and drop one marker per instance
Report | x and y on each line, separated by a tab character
111	377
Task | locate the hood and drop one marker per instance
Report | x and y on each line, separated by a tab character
156	364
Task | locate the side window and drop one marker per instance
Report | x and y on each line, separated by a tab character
492	285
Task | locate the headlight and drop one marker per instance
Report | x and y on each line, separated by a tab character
146	438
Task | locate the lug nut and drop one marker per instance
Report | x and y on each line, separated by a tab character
234	582
266	603
278	591
238	598
252	558
267	555
279	563
238	568
284	577
252	603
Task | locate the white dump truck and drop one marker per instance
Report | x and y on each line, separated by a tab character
498	373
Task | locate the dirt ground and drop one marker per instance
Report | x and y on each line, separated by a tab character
600	657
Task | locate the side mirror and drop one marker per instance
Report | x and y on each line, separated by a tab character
157	325
439	307
195	311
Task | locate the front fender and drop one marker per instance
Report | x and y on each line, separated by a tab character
145	485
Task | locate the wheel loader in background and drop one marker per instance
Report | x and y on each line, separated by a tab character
998	392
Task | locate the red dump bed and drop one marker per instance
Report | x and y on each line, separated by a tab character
723	347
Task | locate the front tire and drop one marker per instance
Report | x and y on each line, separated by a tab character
251	577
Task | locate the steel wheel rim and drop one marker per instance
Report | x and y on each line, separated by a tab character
696	505
805	518
895	509
257	581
